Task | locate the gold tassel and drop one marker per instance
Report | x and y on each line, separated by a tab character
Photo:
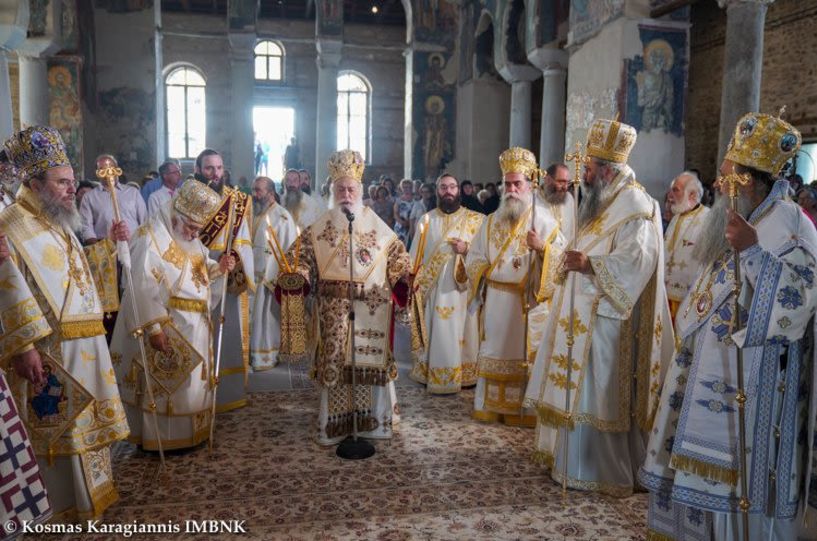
554	418
704	469
542	458
652	535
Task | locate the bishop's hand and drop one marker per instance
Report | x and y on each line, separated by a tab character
739	233
577	261
534	242
119	231
459	246
159	342
226	263
28	365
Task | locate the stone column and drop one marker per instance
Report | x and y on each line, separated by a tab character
326	139
743	64
553	63
33	91
520	76
6	112
520	114
242	81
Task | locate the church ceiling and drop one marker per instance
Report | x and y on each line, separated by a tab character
388	12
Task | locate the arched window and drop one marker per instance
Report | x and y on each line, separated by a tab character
269	61
353	113
186	112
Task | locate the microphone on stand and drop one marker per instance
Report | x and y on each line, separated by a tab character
349	214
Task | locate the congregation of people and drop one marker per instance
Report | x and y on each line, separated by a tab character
661	347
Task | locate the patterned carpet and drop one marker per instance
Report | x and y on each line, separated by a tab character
442	477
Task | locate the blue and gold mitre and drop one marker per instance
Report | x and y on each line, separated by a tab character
35	150
763	142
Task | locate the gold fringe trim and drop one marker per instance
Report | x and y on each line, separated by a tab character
543	458
652	535
188	305
704	469
341	425
71	330
553	417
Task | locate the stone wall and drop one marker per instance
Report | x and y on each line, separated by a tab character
374	52
789	71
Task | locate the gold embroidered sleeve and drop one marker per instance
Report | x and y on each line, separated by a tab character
607	283
101	258
399	263
22	323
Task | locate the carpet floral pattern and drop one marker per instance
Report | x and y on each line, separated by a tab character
443	476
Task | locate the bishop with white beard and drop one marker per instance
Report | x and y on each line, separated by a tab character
681	237
622	336
175	284
509	260
320	262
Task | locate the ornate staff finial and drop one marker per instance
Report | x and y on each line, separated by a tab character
780	113
578	160
733	181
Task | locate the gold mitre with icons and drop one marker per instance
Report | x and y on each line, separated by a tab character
763	142
518	160
610	140
196	202
346	163
35	150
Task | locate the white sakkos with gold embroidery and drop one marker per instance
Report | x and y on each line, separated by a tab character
52	304
497	265
680	238
449	359
175	291
274	232
621	330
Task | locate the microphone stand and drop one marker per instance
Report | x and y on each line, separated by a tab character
353	448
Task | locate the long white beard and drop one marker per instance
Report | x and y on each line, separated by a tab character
66	217
511	208
712	242
680	208
355	208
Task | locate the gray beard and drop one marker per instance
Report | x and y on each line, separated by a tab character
292	199
712	241
190	247
511	209
593	198
67	218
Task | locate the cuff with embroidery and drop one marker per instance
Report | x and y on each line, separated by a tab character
751	261
606	282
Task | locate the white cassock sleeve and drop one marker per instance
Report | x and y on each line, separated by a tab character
623	273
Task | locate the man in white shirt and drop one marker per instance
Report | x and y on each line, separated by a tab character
171	174
97	209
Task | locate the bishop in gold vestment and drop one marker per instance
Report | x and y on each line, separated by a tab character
320	260
63	381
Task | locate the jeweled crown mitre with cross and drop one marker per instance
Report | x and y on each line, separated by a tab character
35	150
196	202
763	142
610	140
346	163
518	160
